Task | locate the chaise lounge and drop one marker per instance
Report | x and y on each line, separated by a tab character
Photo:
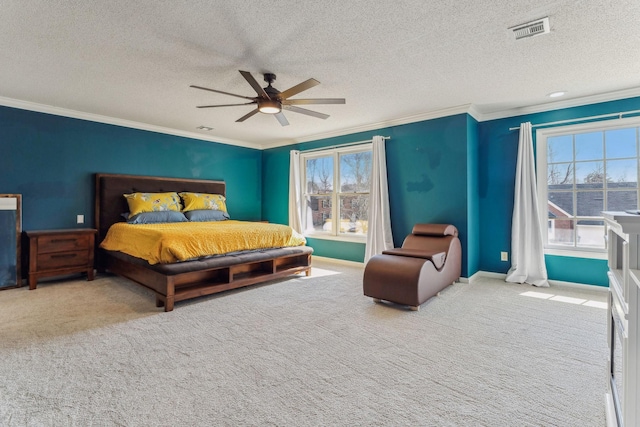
428	261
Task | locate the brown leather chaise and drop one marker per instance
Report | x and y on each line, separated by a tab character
428	261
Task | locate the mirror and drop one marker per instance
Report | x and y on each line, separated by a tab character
10	235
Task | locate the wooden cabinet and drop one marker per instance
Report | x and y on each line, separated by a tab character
60	252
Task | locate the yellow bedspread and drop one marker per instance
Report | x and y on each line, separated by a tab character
182	241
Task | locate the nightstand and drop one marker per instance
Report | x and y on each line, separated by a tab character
60	252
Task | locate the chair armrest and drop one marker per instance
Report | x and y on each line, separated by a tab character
436	257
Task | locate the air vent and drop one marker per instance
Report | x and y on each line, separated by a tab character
533	28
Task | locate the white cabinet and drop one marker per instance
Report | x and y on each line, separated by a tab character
623	370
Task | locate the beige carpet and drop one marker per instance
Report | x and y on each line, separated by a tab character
301	352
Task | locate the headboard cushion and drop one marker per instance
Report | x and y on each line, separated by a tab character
434	230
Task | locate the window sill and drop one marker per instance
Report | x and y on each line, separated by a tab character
576	253
350	239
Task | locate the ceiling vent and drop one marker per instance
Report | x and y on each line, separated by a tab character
530	29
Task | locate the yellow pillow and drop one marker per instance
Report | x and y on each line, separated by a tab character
152	202
198	201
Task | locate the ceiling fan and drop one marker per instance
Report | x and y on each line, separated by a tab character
271	101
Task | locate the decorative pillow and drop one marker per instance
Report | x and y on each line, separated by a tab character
202	215
157	217
197	201
152	202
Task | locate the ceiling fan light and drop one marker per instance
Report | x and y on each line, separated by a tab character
269	107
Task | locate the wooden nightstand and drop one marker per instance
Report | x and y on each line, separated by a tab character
60	252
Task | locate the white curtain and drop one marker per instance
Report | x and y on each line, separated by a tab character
527	251
379	235
295	192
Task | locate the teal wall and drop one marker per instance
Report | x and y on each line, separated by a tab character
579	270
427	170
498	153
51	160
344	250
275	191
450	169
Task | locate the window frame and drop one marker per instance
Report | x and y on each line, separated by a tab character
541	136
335	195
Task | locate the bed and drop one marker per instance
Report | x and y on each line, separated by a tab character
173	282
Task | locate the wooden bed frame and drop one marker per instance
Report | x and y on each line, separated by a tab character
205	277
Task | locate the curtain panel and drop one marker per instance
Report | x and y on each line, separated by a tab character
527	248
295	192
379	237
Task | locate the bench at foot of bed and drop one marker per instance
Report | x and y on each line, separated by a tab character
192	279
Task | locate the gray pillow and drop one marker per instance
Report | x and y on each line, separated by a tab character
157	217
201	215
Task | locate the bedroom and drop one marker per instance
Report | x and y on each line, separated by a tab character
66	143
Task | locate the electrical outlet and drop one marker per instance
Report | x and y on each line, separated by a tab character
80	219
504	256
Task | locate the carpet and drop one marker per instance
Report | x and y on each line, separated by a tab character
302	352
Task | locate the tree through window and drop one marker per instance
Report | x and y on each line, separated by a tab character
337	186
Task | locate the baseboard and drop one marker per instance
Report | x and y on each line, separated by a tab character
492	274
337	261
361	265
611	418
558	283
561	283
477	275
487	274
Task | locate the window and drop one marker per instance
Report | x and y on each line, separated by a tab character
582	171
336	185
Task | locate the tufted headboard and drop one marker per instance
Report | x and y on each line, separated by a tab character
110	204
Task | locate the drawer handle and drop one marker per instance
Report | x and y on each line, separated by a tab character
62	240
63	255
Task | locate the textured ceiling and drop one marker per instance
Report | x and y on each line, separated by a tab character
392	60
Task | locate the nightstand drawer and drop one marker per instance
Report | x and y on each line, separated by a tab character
51	261
48	244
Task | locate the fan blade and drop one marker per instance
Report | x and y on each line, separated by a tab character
314	101
282	119
224	105
305	111
246	116
254	84
299	88
219	91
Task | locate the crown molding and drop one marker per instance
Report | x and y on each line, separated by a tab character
445	112
557	105
57	111
473	112
470	109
